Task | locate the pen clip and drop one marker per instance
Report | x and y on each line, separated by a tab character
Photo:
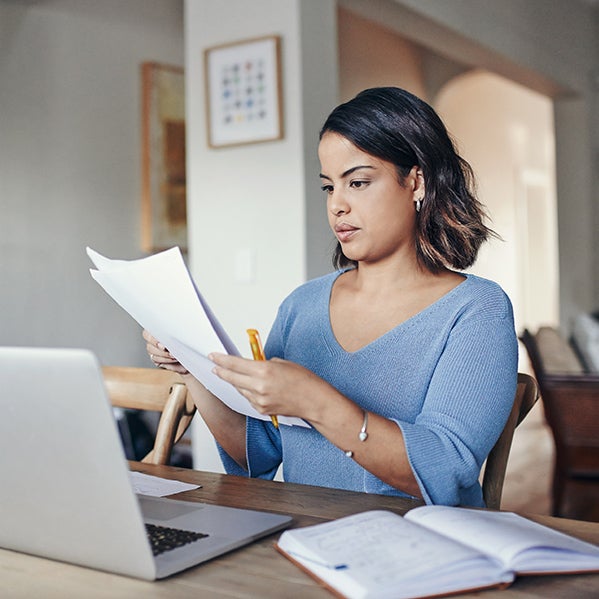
256	344
317	562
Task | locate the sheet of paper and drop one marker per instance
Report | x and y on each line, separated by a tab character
146	484
159	293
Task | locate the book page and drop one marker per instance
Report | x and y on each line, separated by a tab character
159	293
378	552
519	543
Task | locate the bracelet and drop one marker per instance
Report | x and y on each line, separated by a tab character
362	435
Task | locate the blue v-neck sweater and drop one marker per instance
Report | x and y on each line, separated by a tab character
447	377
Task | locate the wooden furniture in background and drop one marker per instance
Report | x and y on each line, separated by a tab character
155	390
571	401
527	394
258	570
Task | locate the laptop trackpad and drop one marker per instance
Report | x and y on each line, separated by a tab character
166	509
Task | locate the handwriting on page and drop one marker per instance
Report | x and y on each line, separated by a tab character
383	549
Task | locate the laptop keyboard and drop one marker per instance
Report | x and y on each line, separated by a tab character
164	539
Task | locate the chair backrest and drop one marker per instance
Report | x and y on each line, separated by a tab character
527	394
550	353
156	390
572	412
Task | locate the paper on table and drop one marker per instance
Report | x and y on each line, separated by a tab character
146	484
159	293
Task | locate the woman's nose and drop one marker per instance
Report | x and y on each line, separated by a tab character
337	204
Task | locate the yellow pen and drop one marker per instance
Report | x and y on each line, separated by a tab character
258	354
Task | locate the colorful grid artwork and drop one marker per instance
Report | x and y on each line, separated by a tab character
243	92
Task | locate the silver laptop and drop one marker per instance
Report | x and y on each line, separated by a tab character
66	489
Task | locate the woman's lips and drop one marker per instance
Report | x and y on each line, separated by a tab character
344	232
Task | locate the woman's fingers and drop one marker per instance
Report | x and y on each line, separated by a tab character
160	355
234	363
242	373
151	341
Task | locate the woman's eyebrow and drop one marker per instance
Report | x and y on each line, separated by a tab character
348	172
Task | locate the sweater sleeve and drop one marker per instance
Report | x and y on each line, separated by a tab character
467	403
263	451
263	440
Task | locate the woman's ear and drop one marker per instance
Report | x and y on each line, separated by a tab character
418	186
419	181
416	179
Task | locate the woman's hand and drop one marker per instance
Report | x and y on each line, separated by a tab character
274	386
161	356
227	426
287	389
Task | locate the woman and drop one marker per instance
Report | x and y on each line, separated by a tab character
404	367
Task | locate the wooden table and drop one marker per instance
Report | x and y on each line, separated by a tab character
257	570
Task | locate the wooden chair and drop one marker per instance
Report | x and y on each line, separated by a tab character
527	394
571	404
156	390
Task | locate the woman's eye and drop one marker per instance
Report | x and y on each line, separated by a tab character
327	189
358	184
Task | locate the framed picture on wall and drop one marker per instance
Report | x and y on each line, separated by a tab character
164	213
243	92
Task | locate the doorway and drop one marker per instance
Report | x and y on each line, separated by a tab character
506	132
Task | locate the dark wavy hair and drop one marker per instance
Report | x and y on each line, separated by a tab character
396	126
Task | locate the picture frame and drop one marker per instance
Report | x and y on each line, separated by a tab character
243	92
164	208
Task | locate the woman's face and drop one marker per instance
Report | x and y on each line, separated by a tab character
371	213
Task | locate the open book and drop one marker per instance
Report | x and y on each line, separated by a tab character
159	293
432	550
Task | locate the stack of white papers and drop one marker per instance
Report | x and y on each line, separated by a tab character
159	293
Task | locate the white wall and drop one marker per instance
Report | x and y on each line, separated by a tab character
70	163
261	201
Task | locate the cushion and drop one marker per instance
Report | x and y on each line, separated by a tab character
556	354
585	335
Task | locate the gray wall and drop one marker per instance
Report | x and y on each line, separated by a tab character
70	163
